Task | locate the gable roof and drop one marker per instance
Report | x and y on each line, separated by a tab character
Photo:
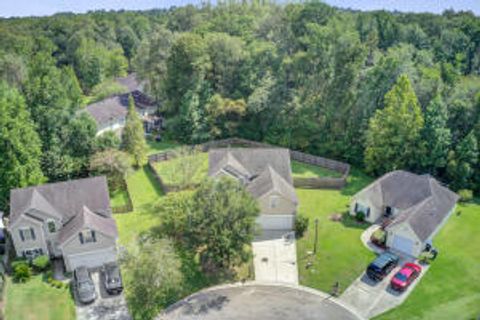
130	82
116	106
270	180
265	169
65	199
90	220
253	160
424	202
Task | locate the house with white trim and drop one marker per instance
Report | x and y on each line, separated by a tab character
70	220
413	207
266	175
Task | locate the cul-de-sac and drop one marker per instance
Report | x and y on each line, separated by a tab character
239	160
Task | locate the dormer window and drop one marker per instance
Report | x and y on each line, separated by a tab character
87	236
52	228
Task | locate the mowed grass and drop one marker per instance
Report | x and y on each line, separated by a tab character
304	170
144	192
37	300
171	171
118	198
159	146
451	288
340	254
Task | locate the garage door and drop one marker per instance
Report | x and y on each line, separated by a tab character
276	222
92	259
403	244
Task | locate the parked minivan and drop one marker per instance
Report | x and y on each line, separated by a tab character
84	285
382	266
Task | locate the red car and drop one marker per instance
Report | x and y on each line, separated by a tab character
403	278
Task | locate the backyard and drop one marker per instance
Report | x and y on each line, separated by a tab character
340	254
37	300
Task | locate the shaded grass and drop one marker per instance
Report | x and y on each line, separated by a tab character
155	146
340	254
119	198
36	300
304	170
171	170
451	288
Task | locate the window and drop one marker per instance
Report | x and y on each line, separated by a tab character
361	208
27	234
51	226
87	236
273	202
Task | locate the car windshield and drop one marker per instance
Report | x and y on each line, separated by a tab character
113	274
401	277
84	285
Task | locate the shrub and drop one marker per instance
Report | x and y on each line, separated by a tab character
301	225
17	262
41	263
360	215
465	195
22	272
379	237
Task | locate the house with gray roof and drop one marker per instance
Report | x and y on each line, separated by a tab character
110	113
70	220
413	207
266	175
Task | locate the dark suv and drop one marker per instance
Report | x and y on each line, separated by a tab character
83	284
382	266
112	278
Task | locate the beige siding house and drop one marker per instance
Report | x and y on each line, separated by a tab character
413	207
266	174
68	219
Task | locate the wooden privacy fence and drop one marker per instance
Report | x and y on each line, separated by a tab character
305	183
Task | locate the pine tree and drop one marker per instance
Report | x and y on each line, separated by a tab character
462	162
436	136
394	133
20	146
133	135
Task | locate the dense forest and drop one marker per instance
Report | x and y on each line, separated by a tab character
380	90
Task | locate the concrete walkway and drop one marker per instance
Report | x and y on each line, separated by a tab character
275	258
365	237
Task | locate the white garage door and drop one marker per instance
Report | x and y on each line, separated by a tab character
403	244
92	259
276	222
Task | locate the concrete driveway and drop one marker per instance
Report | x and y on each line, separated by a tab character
259	301
105	307
372	298
275	258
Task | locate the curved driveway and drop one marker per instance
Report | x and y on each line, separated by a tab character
259	301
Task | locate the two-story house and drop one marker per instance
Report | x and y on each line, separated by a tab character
69	219
266	175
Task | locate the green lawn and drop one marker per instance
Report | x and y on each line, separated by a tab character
304	170
144	191
451	288
170	171
340	255
118	198
156	147
36	300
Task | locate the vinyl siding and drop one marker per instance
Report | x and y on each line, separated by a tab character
73	246
39	242
284	206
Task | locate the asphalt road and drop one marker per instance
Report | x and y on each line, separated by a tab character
254	301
